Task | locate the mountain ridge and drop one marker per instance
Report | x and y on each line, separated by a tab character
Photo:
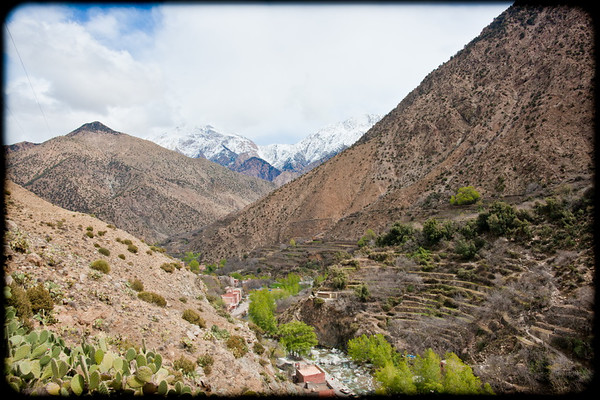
131	182
510	114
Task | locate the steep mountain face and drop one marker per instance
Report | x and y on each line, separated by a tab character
233	151
135	184
45	244
510	114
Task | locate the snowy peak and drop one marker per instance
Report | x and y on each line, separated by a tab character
320	145
233	151
203	141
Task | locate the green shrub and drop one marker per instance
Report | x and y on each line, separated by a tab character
168	267
121	256
398	234
339	278
237	345
205	360
40	299
137	285
259	348
434	230
465	195
466	249
132	248
151	297
368	238
185	365
193	317
89	234
500	219
19	301
362	291
100	265
103	251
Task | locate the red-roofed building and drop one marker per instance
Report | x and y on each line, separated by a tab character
309	373
232	297
313	379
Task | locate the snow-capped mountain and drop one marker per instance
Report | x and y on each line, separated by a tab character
323	144
243	155
203	141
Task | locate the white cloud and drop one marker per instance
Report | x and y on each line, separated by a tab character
271	73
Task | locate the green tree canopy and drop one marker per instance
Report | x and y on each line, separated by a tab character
261	310
465	195
297	337
371	349
290	284
398	234
425	374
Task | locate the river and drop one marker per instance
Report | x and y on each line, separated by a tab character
340	367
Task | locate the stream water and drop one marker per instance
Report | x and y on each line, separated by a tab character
339	366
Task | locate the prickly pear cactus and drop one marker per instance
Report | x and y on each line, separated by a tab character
39	363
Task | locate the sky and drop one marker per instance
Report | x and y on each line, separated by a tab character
271	72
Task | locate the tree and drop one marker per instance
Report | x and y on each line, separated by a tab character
194	266
397	379
465	195
190	256
458	378
373	349
427	368
398	234
290	284
339	278
367	239
297	337
434	231
362	291
425	374
261	310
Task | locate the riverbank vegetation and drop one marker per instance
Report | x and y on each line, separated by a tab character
421	374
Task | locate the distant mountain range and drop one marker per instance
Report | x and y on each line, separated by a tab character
150	191
276	162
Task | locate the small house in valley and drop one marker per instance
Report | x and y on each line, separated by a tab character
232	297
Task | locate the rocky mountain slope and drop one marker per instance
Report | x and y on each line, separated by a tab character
242	155
517	306
130	182
509	114
53	247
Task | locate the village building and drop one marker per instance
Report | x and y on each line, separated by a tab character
327	295
232	297
312	378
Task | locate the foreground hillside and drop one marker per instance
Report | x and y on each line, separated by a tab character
132	183
53	247
510	114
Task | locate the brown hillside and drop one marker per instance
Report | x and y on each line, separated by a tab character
511	114
48	245
132	183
